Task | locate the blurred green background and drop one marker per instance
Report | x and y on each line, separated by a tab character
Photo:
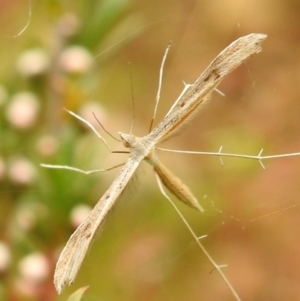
75	54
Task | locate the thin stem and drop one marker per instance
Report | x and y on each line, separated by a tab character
27	23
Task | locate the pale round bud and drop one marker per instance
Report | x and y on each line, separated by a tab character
22	110
76	59
91	108
21	171
68	25
34	267
5	257
47	145
78	214
33	62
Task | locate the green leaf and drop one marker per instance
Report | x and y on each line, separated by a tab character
77	296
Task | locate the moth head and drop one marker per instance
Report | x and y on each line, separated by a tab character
126	139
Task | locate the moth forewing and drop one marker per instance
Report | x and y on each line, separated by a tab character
75	250
228	60
71	258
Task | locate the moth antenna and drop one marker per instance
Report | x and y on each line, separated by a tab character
132	100
90	126
105	130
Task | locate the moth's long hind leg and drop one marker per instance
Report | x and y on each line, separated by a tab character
87	172
215	265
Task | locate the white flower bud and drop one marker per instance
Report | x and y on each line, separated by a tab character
22	110
21	171
33	62
76	59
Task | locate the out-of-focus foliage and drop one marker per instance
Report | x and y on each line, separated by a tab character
54	66
78	295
